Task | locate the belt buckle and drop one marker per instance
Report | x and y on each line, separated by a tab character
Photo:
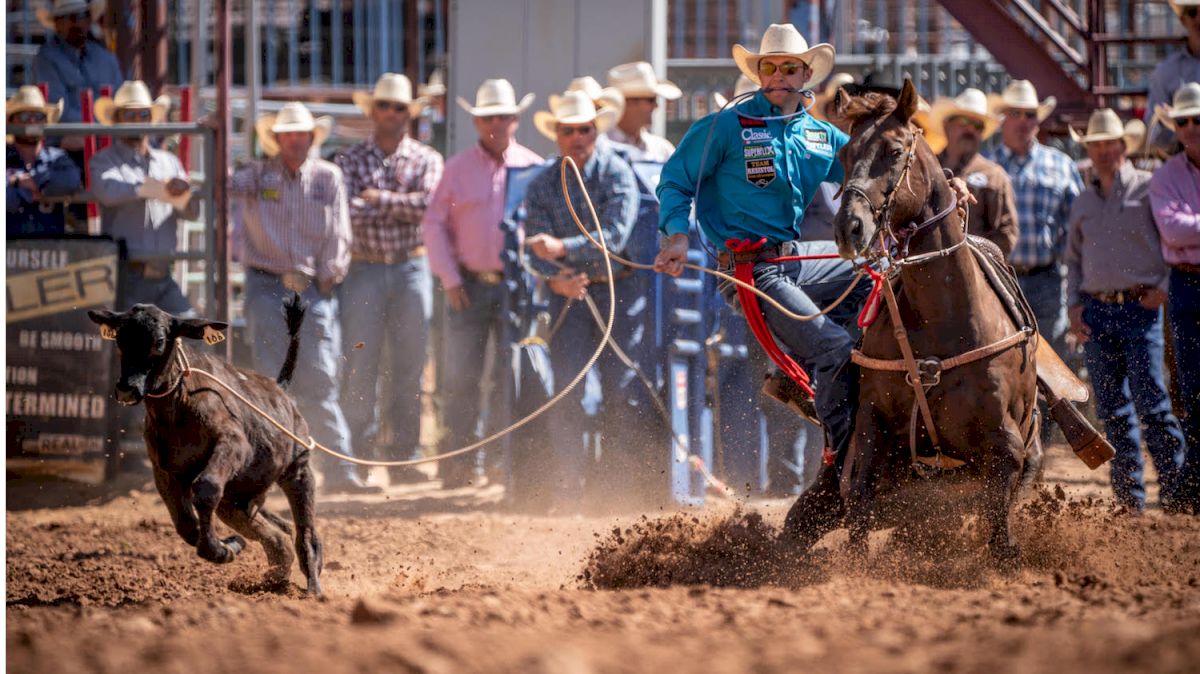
295	281
490	278
155	271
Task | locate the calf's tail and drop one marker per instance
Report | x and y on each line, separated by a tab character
293	310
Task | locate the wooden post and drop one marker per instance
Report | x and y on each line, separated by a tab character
219	171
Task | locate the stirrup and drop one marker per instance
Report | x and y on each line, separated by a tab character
781	387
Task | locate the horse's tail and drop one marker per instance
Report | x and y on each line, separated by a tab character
293	310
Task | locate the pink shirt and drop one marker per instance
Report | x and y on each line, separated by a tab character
462	224
1175	198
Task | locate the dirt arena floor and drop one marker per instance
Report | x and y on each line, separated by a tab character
425	581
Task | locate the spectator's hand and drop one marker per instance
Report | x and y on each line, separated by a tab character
369	195
1153	299
325	287
672	256
177	186
569	284
961	193
457	298
1079	329
26	181
547	247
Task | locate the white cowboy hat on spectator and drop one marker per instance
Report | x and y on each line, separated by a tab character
785	40
1178	5
573	107
1104	124
392	87
835	82
47	15
602	97
742	86
29	98
1135	134
495	97
292	117
434	86
131	94
972	104
1020	95
1186	103
637	80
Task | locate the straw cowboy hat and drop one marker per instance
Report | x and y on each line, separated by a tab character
837	81
972	104
602	97
132	94
29	98
1104	124
390	87
1135	134
47	15
1178	5
495	97
935	135
435	86
1020	95
742	86
573	107
293	116
637	80
785	40
1186	103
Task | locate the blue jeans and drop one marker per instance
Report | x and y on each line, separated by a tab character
1124	358
163	293
1184	307
1046	292
315	384
467	335
386	309
822	346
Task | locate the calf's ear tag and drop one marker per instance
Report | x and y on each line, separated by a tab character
212	335
108	332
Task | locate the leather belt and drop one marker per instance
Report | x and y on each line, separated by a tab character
487	278
391	257
1134	294
726	259
1187	268
1030	271
294	281
149	270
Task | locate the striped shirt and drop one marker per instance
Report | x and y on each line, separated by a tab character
405	180
1045	182
1175	197
293	222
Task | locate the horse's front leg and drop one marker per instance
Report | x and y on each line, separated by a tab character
873	441
1001	480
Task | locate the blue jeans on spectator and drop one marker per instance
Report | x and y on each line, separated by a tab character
821	345
163	293
467	335
1124	357
1183	304
1046	292
386	310
315	384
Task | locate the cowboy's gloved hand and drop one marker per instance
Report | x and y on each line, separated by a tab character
569	284
546	247
673	254
178	186
961	193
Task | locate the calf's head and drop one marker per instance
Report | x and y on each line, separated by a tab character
145	337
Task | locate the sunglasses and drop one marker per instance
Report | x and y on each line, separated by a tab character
572	130
134	115
1026	114
1187	121
390	105
790	68
973	123
28	117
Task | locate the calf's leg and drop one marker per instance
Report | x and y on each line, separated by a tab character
260	528
207	491
174	496
300	487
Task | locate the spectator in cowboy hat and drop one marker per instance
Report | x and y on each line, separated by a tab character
387	298
143	193
33	170
575	269
71	61
742	86
822	107
1175	198
1045	182
295	238
641	88
967	124
602	97
1116	286
1175	70
462	234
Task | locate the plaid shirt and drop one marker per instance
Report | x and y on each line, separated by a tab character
405	179
1045	182
613	188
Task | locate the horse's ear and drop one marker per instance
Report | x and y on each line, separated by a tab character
841	101
906	105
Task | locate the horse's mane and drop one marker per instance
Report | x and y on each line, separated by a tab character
867	106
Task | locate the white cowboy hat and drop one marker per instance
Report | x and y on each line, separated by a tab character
30	97
742	86
495	97
435	86
131	94
637	80
602	97
1186	103
785	40
972	104
1135	134
57	8
573	107
1020	95
1104	124
390	87
1178	5
293	116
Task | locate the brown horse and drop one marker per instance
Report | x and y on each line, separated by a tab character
983	410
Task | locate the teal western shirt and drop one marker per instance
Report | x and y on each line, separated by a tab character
758	176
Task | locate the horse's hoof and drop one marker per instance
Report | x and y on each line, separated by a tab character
314	590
